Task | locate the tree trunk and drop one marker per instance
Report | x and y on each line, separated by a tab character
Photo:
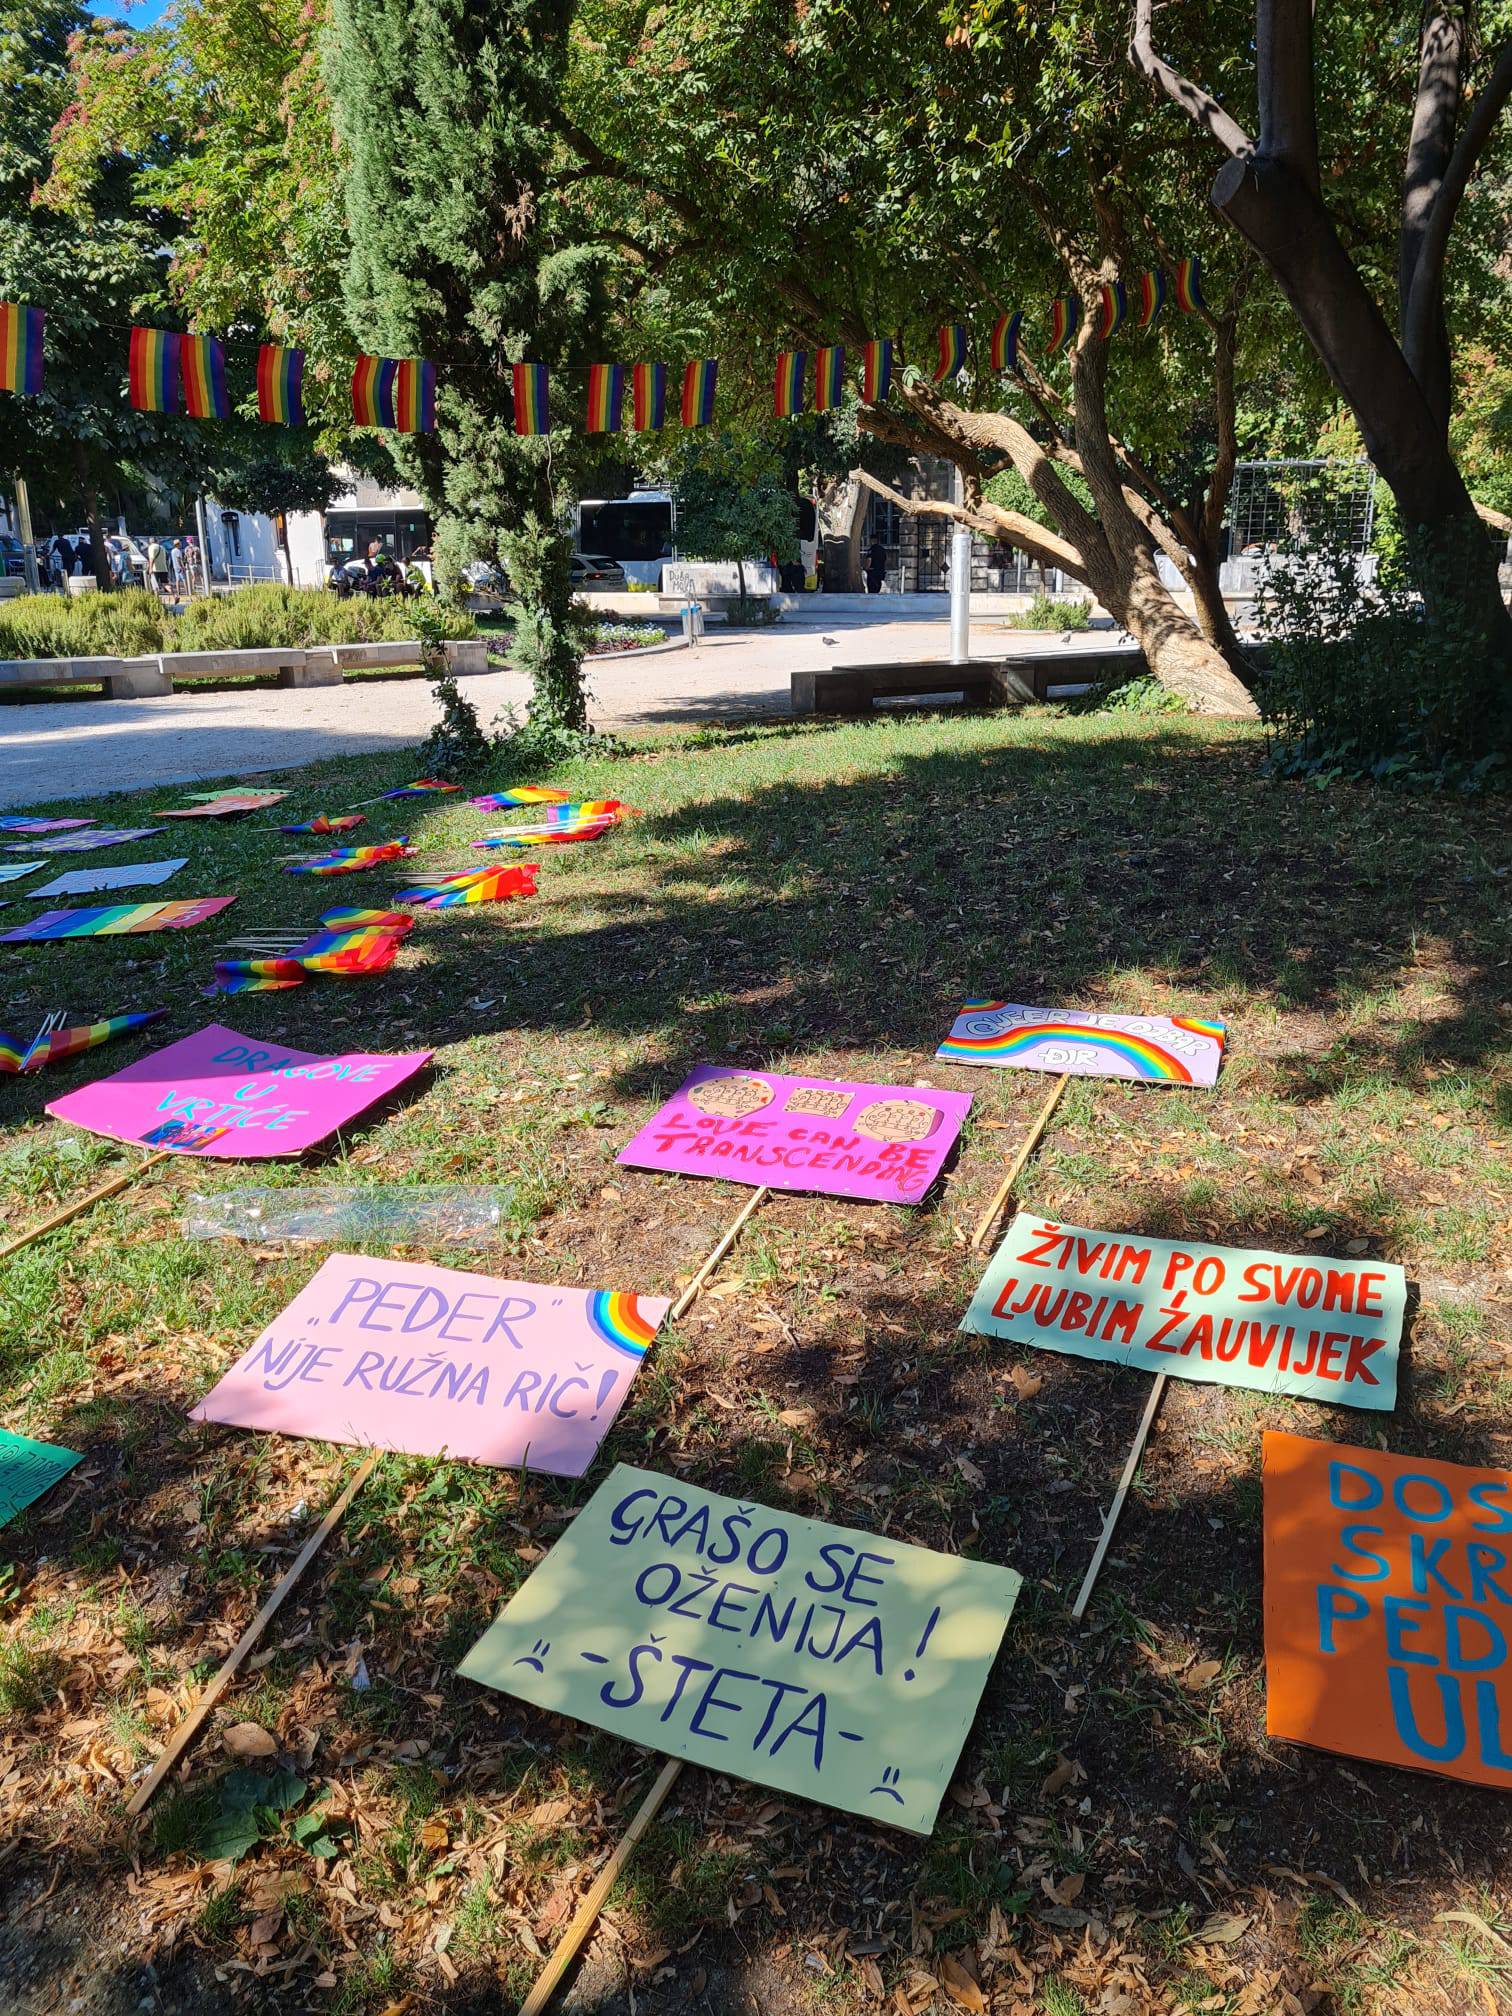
91	501
1175	649
1213	618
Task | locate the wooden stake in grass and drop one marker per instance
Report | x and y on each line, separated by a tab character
82	1204
725	1241
586	1915
1005	1188
179	1741
1141	1434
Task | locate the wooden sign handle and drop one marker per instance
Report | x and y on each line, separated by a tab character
179	1741
722	1246
1005	1188
81	1204
1141	1433
586	1915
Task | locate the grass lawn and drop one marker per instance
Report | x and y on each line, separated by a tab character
1121	1835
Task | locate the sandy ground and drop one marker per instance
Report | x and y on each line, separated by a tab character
78	746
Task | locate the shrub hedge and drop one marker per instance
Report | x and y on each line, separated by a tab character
132	624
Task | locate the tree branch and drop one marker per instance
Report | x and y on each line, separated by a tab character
1286	87
1199	106
997	523
1435	112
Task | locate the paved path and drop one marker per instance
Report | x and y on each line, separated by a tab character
77	747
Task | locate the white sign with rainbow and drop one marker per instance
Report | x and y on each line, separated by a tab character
1156	1049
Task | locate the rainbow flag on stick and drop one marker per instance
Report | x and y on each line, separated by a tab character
829	377
1112	306
1003	354
606	396
532	406
699	380
415	396
1189	296
1065	316
522	794
202	368
648	397
20	348
876	370
153	371
788	397
952	345
373	391
61	1043
280	385
1152	296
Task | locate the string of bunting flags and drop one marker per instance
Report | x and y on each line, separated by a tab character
169	372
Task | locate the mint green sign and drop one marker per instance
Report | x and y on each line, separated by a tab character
27	1469
836	1664
1323	1329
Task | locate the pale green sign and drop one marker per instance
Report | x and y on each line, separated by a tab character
27	1469
818	1660
1320	1328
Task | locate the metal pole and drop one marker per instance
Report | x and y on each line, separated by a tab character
28	543
204	544
960	596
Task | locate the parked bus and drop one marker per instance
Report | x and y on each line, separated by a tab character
639	534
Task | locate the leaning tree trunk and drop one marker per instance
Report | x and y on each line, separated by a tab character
1174	647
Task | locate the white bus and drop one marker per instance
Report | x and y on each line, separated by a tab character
639	534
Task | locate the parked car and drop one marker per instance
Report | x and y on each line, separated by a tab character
596	570
12	554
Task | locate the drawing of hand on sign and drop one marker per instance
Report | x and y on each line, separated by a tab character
793	1653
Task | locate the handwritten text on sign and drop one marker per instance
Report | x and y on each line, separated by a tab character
1324	1329
426	1359
884	1142
220	1094
27	1469
1156	1049
1388	1607
796	1654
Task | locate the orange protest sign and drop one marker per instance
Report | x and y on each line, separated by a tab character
1388	1607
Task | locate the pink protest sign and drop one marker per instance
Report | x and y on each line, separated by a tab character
220	1094
435	1362
886	1143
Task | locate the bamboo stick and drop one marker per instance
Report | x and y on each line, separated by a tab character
81	1204
1141	1434
722	1246
1005	1189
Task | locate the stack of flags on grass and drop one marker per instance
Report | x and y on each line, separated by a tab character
561	824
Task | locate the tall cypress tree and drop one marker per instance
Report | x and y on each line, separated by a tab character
443	108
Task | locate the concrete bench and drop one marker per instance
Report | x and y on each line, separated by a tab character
980	682
146	678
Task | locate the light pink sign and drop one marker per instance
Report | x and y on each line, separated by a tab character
220	1094
394	1355
882	1142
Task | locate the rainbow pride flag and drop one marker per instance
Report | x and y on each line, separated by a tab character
20	348
1003	352
829	377
202	367
648	397
876	370
415	396
484	885
423	787
280	385
356	919
532	406
373	391
952	349
1065	316
61	1043
788	397
324	823
1112	306
352	860
606	396
699	380
153	371
1189	297
1152	296
521	794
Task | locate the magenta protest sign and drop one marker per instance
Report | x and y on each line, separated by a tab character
394	1355
220	1094
882	1142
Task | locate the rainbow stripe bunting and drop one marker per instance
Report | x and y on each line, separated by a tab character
1005	342
1189	297
280	385
1065	318
618	1320
153	371
952	352
1152	296
829	377
648	398
1112	306
532	406
202	367
876	370
20	348
700	378
788	397
373	391
606	395
415	396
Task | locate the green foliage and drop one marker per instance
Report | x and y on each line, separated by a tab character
457	743
125	625
735	500
134	623
1369	682
627	636
551	629
1123	693
1045	613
